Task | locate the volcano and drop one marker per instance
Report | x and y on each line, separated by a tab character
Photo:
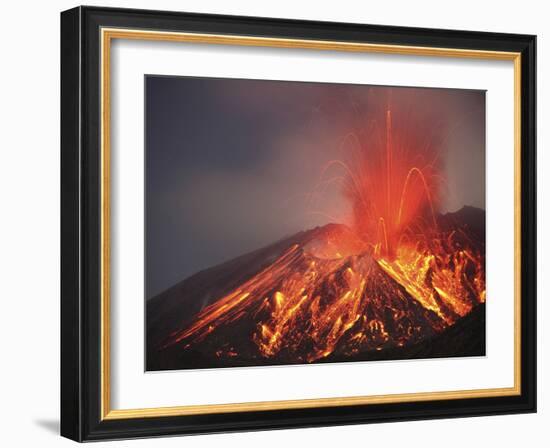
322	295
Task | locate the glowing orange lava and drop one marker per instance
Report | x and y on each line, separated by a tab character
396	276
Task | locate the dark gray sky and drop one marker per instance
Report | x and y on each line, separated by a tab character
230	163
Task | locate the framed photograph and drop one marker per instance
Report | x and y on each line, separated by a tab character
274	224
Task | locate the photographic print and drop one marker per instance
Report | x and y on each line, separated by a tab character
301	222
278	202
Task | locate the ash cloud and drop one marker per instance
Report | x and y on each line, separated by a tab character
231	164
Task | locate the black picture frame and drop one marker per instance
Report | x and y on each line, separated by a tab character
81	381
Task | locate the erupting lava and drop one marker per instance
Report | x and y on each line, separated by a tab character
392	182
399	274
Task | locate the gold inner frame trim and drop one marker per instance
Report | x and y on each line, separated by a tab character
107	35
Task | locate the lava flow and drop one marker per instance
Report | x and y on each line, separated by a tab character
399	274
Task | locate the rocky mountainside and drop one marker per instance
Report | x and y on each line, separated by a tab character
321	296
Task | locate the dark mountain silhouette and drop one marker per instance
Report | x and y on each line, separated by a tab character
295	302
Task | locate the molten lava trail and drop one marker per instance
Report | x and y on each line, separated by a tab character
305	308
